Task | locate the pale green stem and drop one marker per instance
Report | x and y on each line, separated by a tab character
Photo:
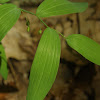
41	21
28	12
35	15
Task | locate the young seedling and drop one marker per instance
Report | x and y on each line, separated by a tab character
46	61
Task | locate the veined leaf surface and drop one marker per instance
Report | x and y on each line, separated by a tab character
3	63
85	46
45	65
4	1
59	7
9	14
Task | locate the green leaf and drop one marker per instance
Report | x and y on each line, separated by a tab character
85	46
59	7
45	65
9	14
4	1
3	63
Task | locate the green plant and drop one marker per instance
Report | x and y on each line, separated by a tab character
47	57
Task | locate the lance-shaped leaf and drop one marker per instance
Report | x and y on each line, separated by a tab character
59	7
4	1
45	65
9	14
3	63
85	46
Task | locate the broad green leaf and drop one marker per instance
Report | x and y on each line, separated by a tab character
3	63
4	1
59	7
45	65
85	46
9	14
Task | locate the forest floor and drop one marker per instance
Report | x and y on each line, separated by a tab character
77	78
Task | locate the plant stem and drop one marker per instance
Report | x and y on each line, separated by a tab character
41	21
61	34
28	12
36	16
